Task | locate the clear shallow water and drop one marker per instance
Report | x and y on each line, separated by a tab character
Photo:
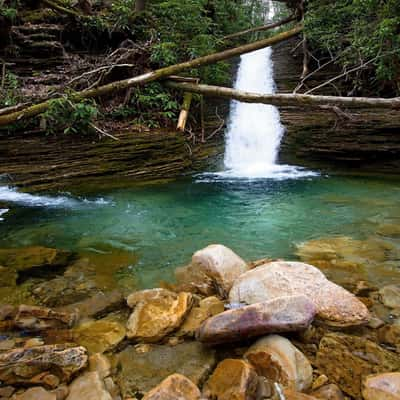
162	225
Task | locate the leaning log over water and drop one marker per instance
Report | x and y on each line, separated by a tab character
153	75
286	99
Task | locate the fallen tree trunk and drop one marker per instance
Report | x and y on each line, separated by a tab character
260	28
298	100
153	75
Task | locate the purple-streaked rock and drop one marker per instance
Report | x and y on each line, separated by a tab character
174	387
382	387
335	305
283	314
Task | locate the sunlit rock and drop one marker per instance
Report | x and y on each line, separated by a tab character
35	393
88	386
101	364
283	314
99	336
328	392
140	370
33	364
347	360
292	395
275	358
174	387
335	305
207	308
232	379
157	313
382	387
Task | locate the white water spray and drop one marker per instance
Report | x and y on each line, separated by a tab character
255	131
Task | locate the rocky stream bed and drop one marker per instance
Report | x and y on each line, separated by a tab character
226	329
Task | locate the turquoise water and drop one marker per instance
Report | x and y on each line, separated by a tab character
162	225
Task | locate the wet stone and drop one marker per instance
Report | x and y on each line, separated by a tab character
88	386
390	296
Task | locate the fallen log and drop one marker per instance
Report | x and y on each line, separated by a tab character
260	28
153	75
284	99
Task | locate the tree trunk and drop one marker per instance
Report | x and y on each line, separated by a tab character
298	100
154	75
183	116
140	5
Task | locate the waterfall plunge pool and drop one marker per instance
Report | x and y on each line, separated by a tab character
137	236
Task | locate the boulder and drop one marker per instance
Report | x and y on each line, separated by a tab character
328	392
155	363
159	313
207	308
174	387
35	318
335	305
36	393
97	305
101	364
390	296
382	387
283	314
292	395
37	363
192	279
88	386
347	360
99	336
275	358
232	380
221	265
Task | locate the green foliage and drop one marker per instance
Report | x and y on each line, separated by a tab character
122	12
151	105
366	29
70	117
8	9
9	95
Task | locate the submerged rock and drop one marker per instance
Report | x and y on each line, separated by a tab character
35	364
88	386
346	360
275	358
157	313
282	314
207	308
36	393
390	334
142	370
99	336
335	305
382	387
232	379
390	296
174	387
221	265
40	318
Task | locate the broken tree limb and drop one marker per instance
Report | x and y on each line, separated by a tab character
260	28
183	116
284	99
63	10
154	75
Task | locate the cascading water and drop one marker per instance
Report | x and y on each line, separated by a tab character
255	131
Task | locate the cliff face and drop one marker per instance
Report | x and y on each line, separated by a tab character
367	140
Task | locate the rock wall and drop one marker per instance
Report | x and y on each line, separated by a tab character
369	140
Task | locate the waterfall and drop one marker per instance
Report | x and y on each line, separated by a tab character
255	131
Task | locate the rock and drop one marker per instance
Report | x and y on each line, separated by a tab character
320	381
34	342
36	363
335	305
382	387
34	258
390	296
390	334
191	279
221	265
291	395
190	359
207	308
174	387
100	364
375	322
346	360
98	305
283	314
36	393
112	388
144	296
99	336
61	392
328	392
88	386
40	318
6	391
155	317
232	379
275	358
8	276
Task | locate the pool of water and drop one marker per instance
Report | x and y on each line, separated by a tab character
149	230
